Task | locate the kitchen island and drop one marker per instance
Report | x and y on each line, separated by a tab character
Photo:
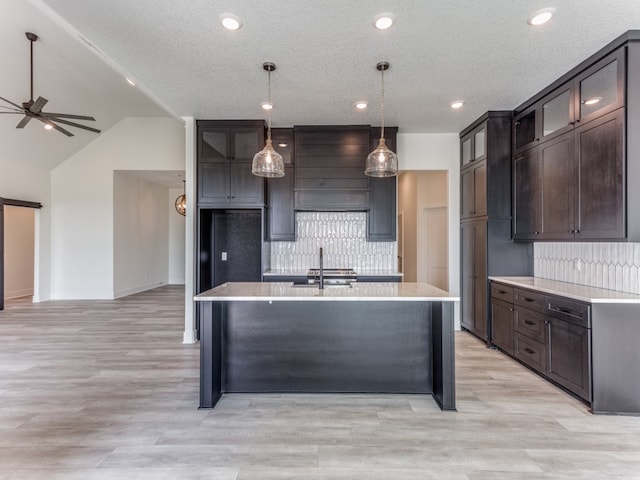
362	338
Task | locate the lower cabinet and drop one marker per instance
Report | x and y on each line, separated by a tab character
550	334
502	323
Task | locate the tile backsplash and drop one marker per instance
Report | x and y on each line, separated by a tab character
614	266
343	236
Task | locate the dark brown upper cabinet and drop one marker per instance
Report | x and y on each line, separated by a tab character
281	221
575	165
590	94
473	146
225	151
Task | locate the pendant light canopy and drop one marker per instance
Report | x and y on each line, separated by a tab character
267	162
181	201
382	162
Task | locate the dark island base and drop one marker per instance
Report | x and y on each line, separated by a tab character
333	347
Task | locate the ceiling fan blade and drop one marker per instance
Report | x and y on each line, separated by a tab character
24	121
37	106
10	102
67	115
12	113
73	124
49	122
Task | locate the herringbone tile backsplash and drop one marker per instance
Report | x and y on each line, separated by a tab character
614	266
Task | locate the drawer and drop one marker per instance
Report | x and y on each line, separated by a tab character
530	352
528	299
502	291
332	200
530	324
569	310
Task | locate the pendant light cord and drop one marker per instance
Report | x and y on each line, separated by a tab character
271	106
382	104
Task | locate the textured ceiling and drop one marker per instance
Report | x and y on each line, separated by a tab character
326	52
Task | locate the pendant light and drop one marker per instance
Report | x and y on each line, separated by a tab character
181	201
382	162
267	162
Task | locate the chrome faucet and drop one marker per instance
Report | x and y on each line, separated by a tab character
321	272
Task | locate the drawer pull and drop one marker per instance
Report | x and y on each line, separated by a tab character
529	322
529	351
502	292
528	299
566	311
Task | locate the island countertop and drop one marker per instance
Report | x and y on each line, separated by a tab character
358	291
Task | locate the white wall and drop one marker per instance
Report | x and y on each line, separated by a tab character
19	235
177	226
438	151
140	235
24	182
82	195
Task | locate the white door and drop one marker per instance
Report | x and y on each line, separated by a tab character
435	247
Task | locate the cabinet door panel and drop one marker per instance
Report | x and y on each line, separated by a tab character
502	319
246	143
214	146
467	239
467	194
480	278
246	188
480	190
213	183
558	180
601	87
527	195
568	356
281	215
382	215
601	185
557	114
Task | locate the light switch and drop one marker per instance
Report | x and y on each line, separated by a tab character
224	256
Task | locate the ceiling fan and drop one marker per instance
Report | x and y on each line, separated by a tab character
33	109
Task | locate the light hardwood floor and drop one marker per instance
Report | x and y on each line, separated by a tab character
105	390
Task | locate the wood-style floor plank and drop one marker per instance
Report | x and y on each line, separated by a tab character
101	390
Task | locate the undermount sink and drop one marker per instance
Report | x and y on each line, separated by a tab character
326	285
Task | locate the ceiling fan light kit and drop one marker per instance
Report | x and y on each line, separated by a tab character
33	109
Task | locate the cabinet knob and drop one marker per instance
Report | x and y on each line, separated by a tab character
511	309
576	231
536	233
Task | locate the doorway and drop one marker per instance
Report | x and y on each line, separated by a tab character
17	248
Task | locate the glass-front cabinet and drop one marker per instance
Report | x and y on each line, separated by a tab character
473	147
597	91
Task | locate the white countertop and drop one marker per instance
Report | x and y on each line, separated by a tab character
303	273
583	293
360	291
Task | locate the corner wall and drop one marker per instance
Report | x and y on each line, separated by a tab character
439	151
82	193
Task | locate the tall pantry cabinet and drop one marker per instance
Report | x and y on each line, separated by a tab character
485	220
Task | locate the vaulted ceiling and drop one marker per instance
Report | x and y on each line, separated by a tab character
185	64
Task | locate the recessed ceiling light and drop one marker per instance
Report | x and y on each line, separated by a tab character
48	126
230	21
131	82
541	17
383	21
456	104
361	105
282	145
267	106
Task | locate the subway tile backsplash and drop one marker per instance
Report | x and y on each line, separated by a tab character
343	236
614	266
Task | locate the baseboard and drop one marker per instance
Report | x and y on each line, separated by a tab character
140	288
25	292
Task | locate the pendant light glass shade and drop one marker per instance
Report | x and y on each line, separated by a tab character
181	202
267	162
382	162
